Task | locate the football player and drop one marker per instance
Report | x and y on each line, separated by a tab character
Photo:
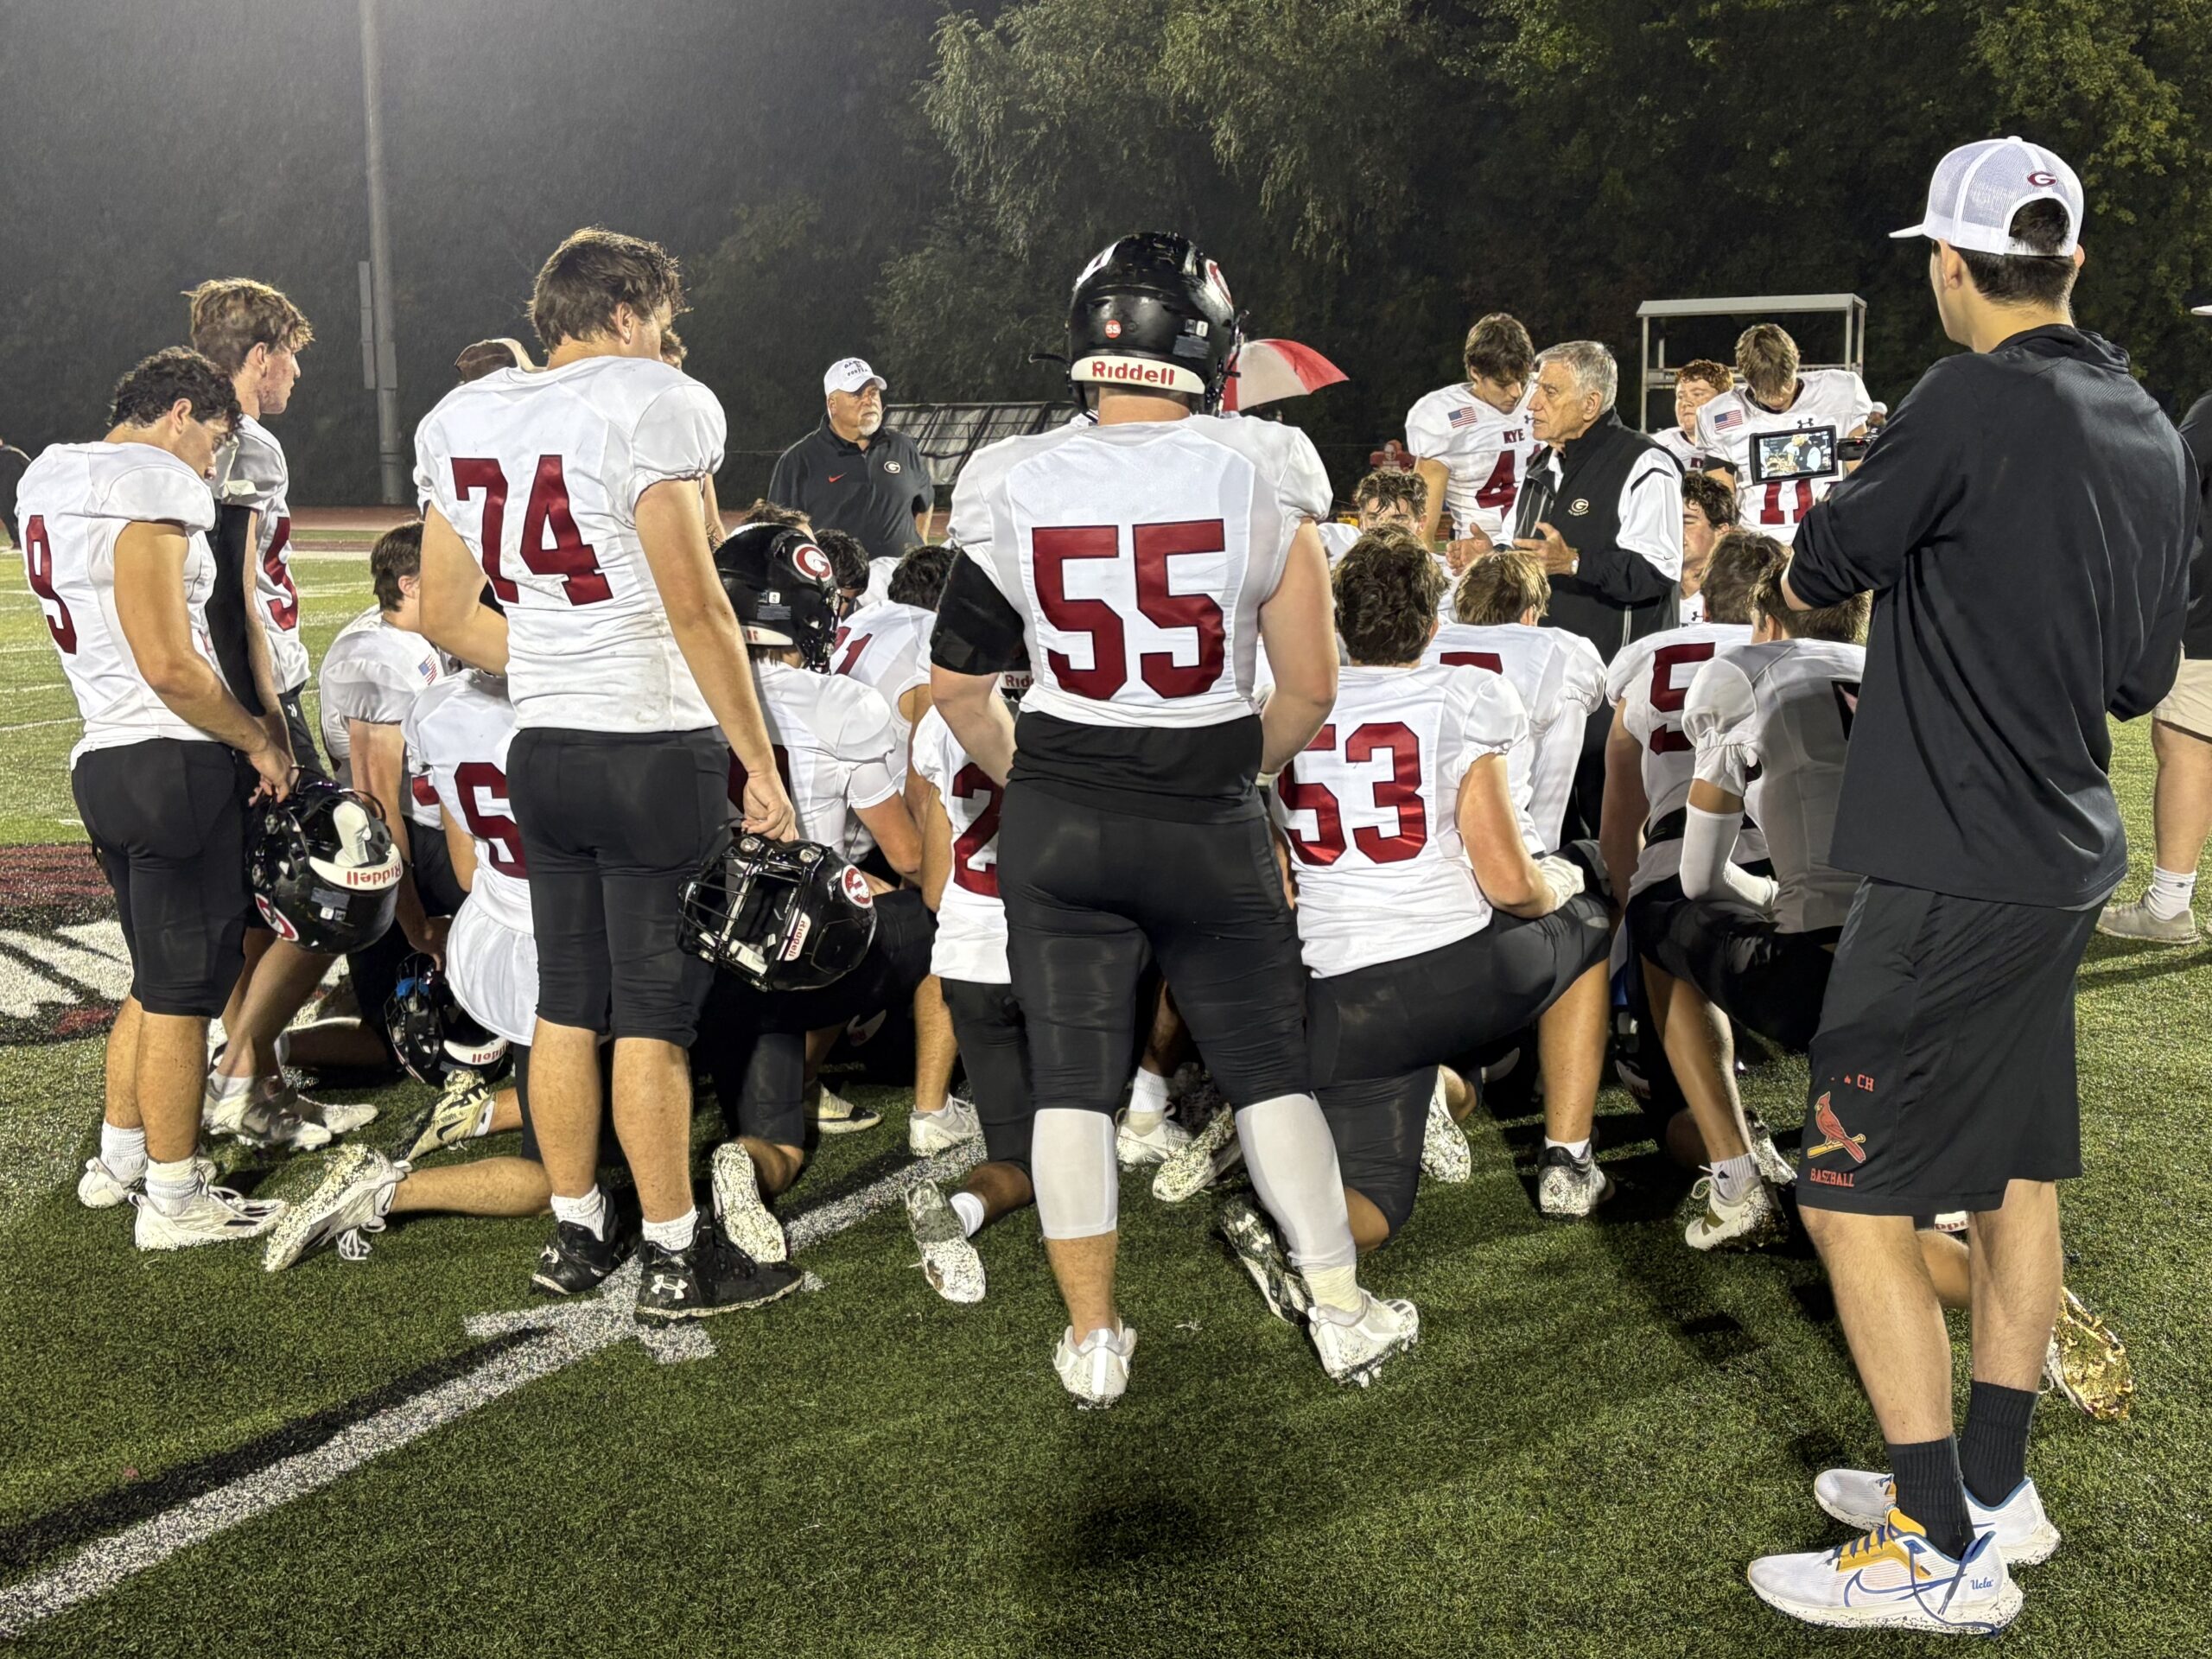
114	548
1472	439
1708	508
1778	432
489	357
1385	496
1135	564
1697	382
574	489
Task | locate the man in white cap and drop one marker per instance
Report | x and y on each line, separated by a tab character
850	474
2024	522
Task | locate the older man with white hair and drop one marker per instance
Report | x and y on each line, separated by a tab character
854	473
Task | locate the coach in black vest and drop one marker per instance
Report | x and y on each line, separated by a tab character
1602	509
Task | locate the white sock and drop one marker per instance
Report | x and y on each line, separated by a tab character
674	1235
169	1187
1731	1175
588	1212
970	1209
1337	1291
1293	1159
123	1152
1579	1148
1072	1165
1148	1102
231	1088
2169	895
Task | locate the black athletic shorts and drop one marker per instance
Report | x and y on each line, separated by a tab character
1944	1066
305	755
1091	894
987	1023
374	968
167	820
1378	1033
521	1053
1748	968
614	823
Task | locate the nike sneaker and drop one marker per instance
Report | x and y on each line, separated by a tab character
101	1188
950	1262
1754	1220
347	1205
1444	1153
1354	1348
2135	921
1201	1161
1134	1148
1252	1242
712	1277
576	1258
745	1216
1892	1577
929	1132
454	1117
1567	1185
2088	1363
1097	1372
834	1114
1863	1499
212	1215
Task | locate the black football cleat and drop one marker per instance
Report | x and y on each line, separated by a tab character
576	1258
713	1276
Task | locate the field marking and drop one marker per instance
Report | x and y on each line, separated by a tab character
570	1331
33	725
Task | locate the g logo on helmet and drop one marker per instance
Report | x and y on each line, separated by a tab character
812	561
2043	181
283	929
856	889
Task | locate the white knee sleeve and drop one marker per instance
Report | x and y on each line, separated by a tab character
1293	1159
1071	1166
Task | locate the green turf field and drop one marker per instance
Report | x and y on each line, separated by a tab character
1599	1429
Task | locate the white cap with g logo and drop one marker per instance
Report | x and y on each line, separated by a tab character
851	374
1979	187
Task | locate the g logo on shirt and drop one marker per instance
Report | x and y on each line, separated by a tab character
890	466
1579	506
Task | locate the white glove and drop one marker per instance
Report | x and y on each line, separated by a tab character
1562	876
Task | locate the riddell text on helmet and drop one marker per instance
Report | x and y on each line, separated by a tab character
1135	371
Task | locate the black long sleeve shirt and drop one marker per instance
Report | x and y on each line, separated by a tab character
2025	521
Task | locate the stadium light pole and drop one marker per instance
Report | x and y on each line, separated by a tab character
386	366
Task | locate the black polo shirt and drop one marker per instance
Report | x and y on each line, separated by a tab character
2196	432
2025	521
871	494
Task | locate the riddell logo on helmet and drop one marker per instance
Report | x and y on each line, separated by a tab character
370	877
1130	370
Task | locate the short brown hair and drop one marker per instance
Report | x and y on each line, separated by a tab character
230	315
489	357
594	272
398	552
1386	589
765	511
1740	560
1498	348
1707	373
1712	496
1389	487
153	386
1501	588
673	351
1844	623
1767	357
2044	279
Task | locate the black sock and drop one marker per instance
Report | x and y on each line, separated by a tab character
1931	1491
1993	1449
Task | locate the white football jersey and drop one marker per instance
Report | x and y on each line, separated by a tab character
839	747
1138	556
539	472
1485	454
1337	539
73	505
1372	810
1650	681
1782	711
970	919
886	646
1784	461
1692	608
1560	679
374	672
251	474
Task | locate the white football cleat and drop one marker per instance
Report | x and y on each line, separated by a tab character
1777	1169
1203	1160
347	1205
746	1221
99	1188
1892	1577
950	1261
2135	921
2088	1363
463	1104
1445	1156
212	1215
1252	1242
1755	1219
265	1115
1134	1148
1354	1350
1098	1372
929	1132
1568	1186
1863	1498
834	1114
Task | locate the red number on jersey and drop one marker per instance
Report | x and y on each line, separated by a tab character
1152	545
38	570
285	612
1327	844
1399	792
468	477
424	791
1667	695
971	844
1488	659
837	643
1771	512
568	555
1505	485
483	791
1156	544
1051	549
739	777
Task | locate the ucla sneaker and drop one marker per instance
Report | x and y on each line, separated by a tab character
834	1114
745	1217
463	1104
211	1216
948	1259
929	1132
1755	1219
1569	1186
1444	1153
1134	1148
2087	1363
1201	1161
1353	1348
1772	1166
1252	1242
346	1205
101	1188
1892	1577
2135	921
1863	1499
576	1258
1097	1372
713	1276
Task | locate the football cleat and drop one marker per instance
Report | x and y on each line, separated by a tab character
263	1115
834	1114
1098	1372
463	1104
929	1132
948	1259
576	1258
746	1219
2088	1363
1863	1499
99	1188
1892	1577
1252	1242
1568	1186
1754	1220
340	1118
211	1216
1445	1156
346	1205
2135	921
713	1276
1134	1148
1354	1350
1774	1167
1203	1160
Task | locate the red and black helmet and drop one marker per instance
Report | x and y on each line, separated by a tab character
782	916
323	869
1152	313
783	589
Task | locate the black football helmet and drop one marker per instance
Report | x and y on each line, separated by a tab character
782	916
322	868
1152	312
432	1034
783	589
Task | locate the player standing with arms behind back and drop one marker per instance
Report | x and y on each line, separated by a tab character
1137	565
574	491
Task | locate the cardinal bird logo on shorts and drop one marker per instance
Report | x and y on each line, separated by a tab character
1838	1138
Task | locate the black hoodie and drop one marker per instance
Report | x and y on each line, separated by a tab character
2025	521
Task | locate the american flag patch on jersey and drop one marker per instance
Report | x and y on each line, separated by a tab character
1727	418
1466	416
427	670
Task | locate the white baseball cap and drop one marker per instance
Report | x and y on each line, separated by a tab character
851	374
1979	187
